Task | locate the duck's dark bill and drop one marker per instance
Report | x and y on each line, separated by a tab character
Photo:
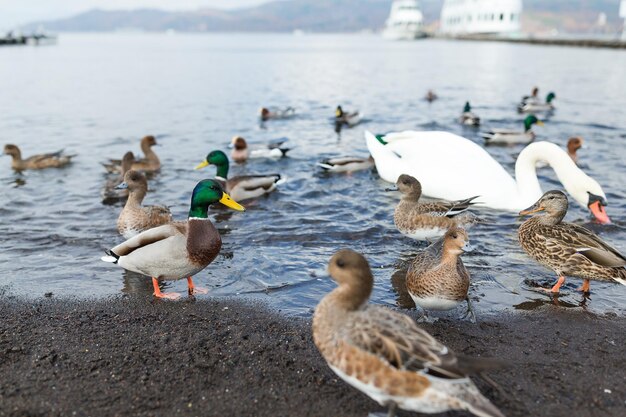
599	213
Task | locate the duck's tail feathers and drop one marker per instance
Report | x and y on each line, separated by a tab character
110	257
326	165
280	179
621	280
487	136
284	150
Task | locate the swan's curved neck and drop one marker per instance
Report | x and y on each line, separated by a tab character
526	172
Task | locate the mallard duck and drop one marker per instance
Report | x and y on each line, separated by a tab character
241	152
134	218
346	164
149	163
349	119
385	355
430	96
110	193
423	221
242	187
268	114
533	106
180	249
437	278
471	170
532	98
512	137
46	160
467	117
566	248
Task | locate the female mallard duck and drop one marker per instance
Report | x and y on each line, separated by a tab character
471	170
241	152
512	137
423	221
47	160
467	117
385	355
349	119
267	114
437	278
532	106
149	163
111	194
180	249
242	187
566	248
134	218
346	164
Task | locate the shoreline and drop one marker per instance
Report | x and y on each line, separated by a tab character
578	42
226	356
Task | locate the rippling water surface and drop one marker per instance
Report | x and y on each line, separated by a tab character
97	95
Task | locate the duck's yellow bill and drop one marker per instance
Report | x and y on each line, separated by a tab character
229	202
540	123
202	164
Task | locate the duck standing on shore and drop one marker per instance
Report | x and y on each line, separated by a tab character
513	137
437	278
134	218
47	160
242	152
242	187
566	248
177	250
385	355
424	221
149	163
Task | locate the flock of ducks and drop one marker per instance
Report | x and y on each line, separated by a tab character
381	352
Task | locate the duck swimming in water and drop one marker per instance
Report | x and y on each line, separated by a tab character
513	137
47	160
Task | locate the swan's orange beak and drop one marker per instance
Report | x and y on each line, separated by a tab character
599	213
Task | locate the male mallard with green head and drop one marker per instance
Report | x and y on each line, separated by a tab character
468	118
533	106
180	249
134	218
424	221
47	160
385	355
566	248
242	187
512	137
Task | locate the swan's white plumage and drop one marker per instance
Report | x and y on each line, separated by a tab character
451	167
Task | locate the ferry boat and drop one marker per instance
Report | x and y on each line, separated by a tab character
405	21
489	17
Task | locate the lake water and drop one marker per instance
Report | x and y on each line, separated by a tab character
96	95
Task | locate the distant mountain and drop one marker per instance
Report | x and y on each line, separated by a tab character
324	16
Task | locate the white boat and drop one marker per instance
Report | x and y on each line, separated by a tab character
622	14
493	17
405	21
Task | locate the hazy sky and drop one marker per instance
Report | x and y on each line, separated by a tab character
16	12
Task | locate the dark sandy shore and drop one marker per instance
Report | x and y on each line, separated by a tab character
136	356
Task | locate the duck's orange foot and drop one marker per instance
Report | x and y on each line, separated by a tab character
585	288
198	290
166	295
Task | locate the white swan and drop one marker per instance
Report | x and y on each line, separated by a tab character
452	167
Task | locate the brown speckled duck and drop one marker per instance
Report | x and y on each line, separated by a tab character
176	250
149	163
47	160
111	194
566	248
437	278
423	221
134	218
242	187
385	355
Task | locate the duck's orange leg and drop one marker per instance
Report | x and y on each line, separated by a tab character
192	289
159	294
586	287
555	289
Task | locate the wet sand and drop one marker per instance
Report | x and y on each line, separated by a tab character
226	357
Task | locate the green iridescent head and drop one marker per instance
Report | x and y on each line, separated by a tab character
467	107
551	96
530	120
219	159
209	192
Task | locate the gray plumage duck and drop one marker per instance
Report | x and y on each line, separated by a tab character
566	248
180	249
42	161
385	355
242	187
423	221
437	278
